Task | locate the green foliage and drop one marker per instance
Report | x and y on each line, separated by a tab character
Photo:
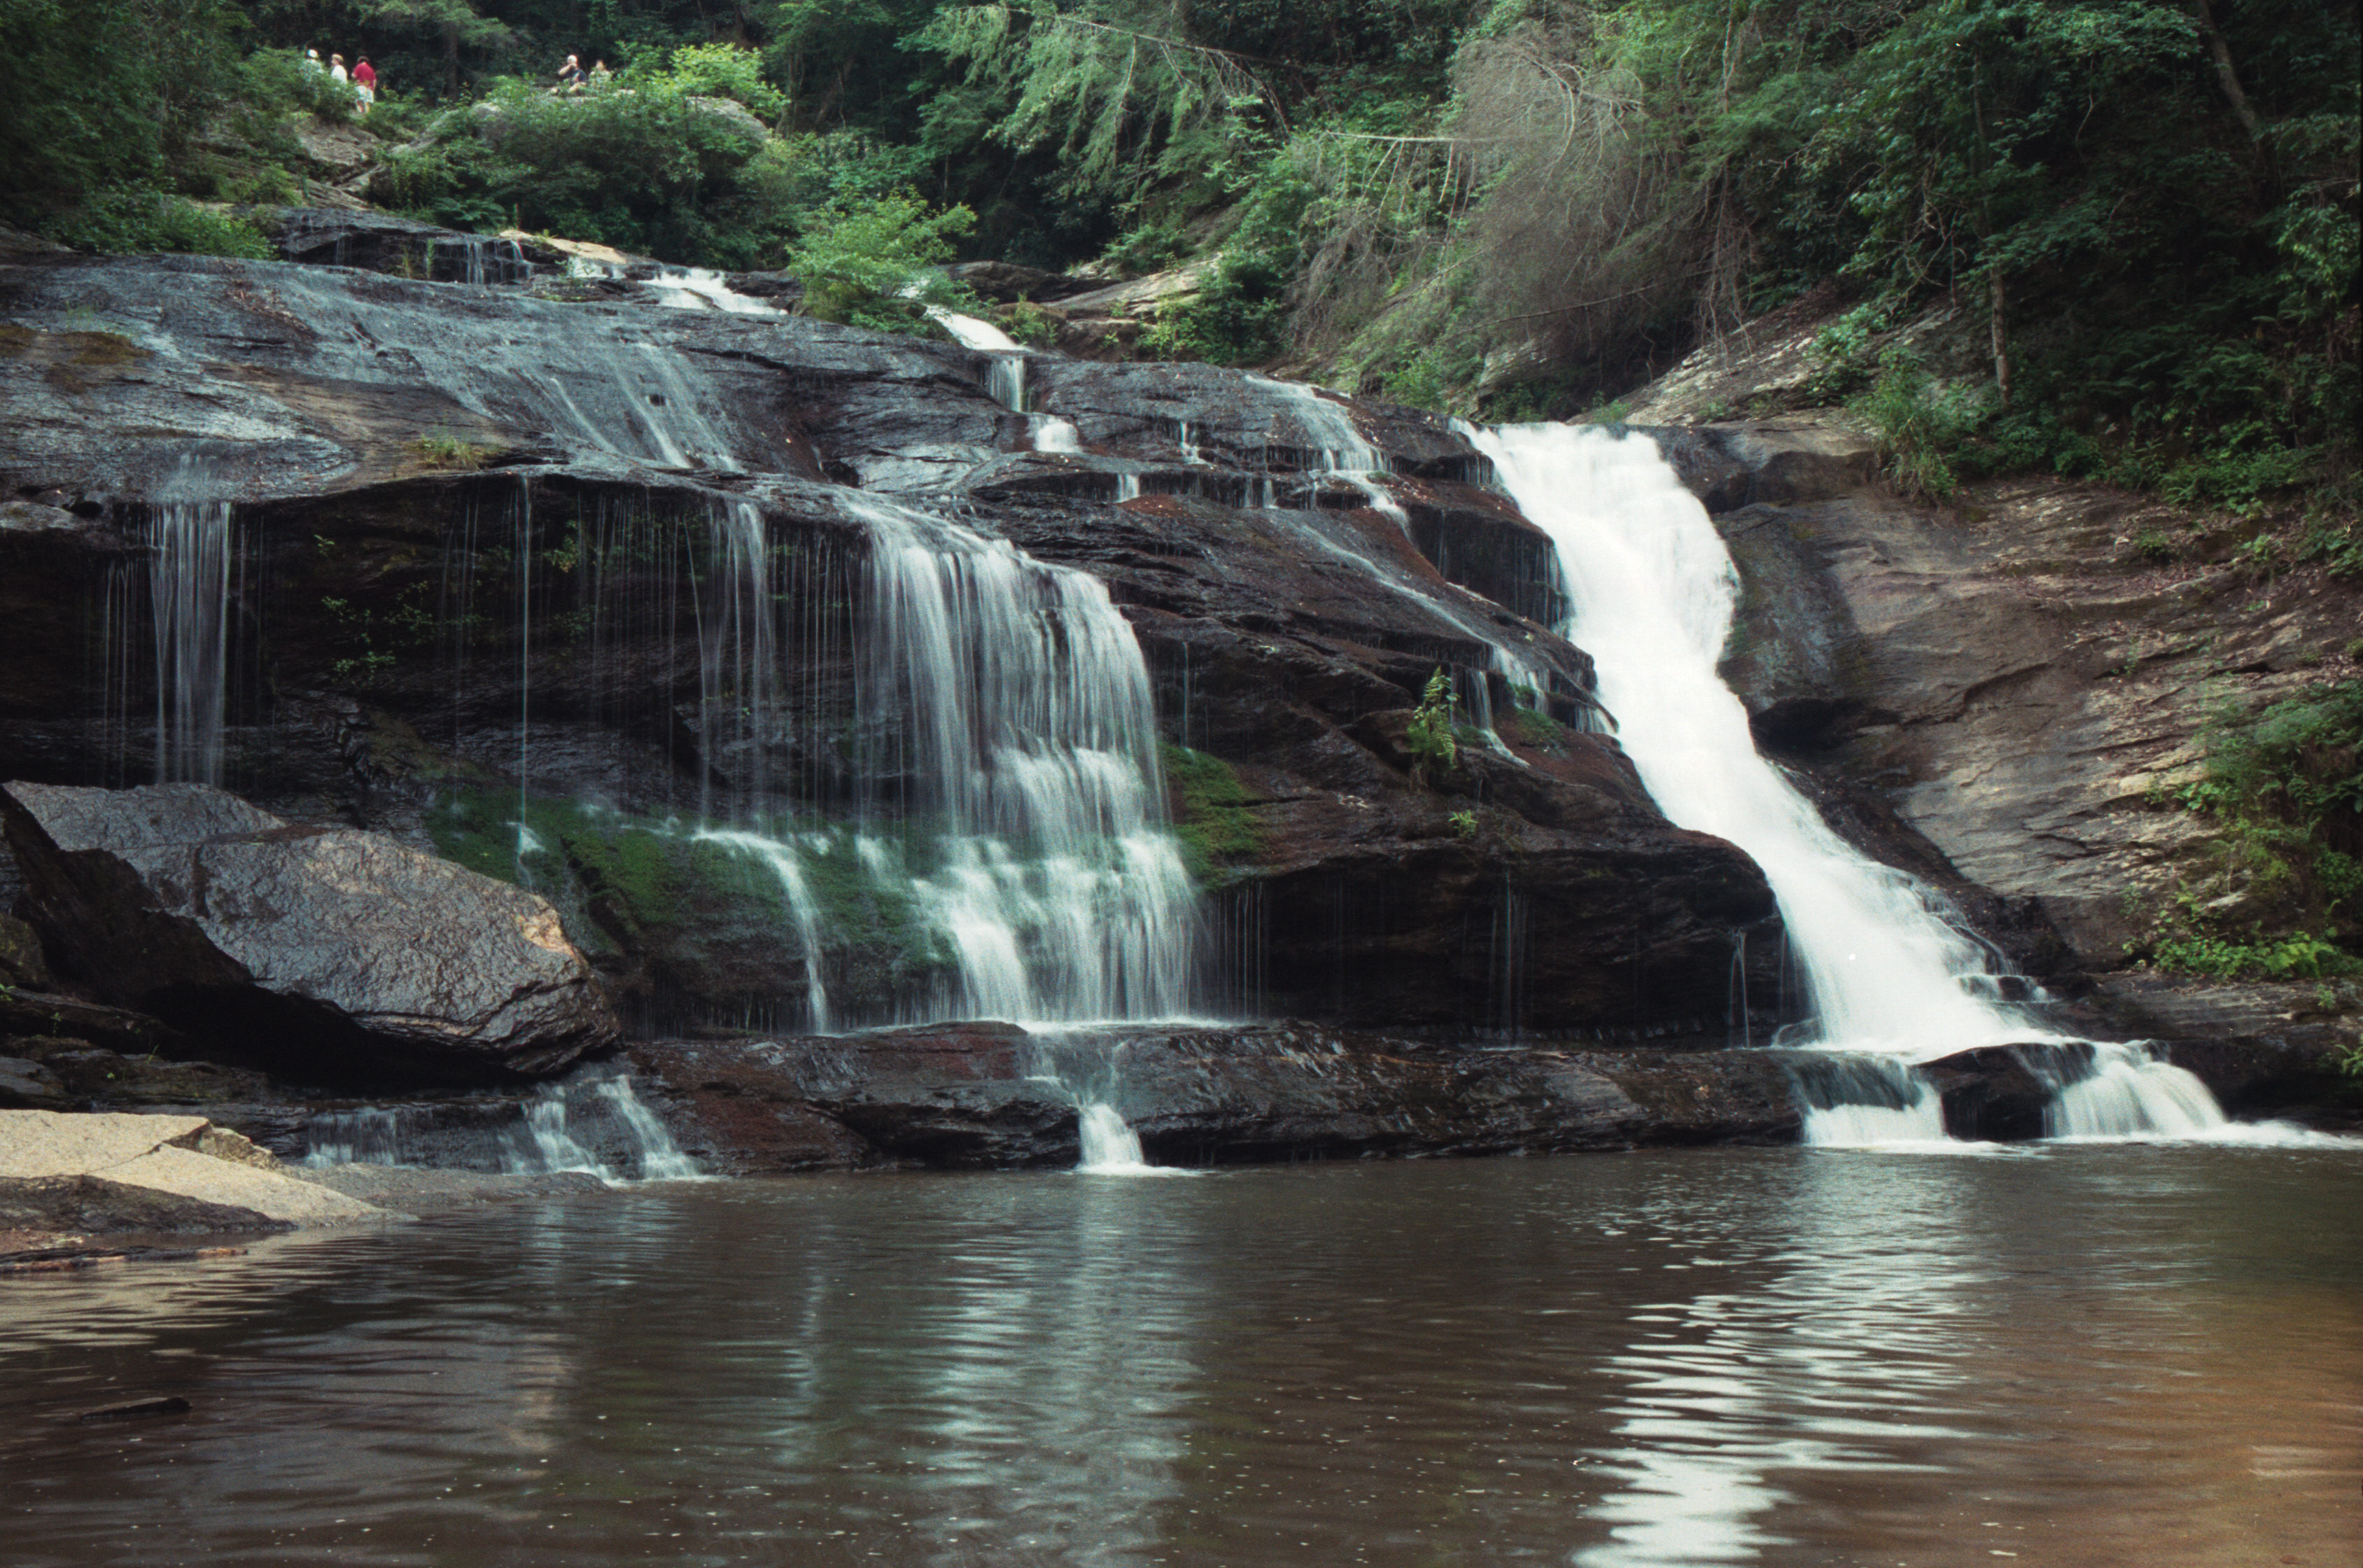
1429	736
1112	85
1920	423
2283	790
2299	956
1464	824
660	163
721	70
441	448
1213	816
138	222
1030	325
872	263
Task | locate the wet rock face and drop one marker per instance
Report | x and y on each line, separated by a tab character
973	1097
2018	684
470	531
338	953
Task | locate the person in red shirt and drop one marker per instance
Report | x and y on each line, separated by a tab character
365	86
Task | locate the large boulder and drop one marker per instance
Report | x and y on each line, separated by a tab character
326	954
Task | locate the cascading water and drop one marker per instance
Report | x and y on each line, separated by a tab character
1653	590
1343	454
1005	373
189	581
1025	725
563	1127
700	288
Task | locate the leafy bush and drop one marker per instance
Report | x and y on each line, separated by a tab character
1921	423
1428	737
874	263
2284	790
136	222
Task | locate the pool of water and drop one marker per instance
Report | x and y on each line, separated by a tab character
2107	1355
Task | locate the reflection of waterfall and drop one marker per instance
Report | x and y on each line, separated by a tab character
189	585
1844	1363
1886	968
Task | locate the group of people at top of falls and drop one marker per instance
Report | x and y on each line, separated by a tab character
572	78
361	79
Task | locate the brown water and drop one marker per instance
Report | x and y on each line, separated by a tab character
2073	1356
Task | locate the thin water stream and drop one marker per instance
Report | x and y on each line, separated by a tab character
2077	1357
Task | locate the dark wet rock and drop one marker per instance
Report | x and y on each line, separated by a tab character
98	1078
22	965
139	1409
382	242
331	953
1990	1093
39	1020
92	1205
357	695
982	1096
29	1085
1007	283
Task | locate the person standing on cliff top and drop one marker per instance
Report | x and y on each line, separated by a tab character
337	69
364	85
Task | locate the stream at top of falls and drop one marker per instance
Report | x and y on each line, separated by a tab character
2065	1356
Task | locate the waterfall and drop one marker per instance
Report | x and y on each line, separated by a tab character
701	288
189	589
1004	372
1652	591
1016	703
562	1128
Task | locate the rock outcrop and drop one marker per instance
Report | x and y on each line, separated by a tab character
327	953
977	1096
395	449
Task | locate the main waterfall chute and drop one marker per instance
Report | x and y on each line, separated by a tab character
1888	975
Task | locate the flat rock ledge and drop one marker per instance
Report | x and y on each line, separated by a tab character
990	1096
122	1174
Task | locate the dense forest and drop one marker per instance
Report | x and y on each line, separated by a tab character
2142	214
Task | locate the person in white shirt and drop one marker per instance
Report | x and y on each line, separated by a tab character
337	72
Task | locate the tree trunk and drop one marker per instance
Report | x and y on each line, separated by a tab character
2000	324
2226	76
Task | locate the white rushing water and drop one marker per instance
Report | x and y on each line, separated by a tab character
701	288
1005	373
1028	730
1652	591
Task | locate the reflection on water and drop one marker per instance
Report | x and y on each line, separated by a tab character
2081	1356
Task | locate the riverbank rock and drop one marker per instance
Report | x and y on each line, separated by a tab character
328	952
116	1174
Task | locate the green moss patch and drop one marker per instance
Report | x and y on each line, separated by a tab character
1213	817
